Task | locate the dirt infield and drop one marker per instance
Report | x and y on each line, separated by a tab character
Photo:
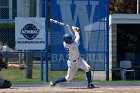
75	89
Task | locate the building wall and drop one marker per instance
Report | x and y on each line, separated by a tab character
113	21
112	49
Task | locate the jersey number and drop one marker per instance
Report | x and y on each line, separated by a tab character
67	49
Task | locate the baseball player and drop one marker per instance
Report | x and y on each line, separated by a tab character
71	43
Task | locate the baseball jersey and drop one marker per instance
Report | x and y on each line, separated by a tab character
72	50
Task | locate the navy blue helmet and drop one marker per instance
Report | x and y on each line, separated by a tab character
68	38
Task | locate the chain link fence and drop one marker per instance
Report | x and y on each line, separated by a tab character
25	66
28	66
35	66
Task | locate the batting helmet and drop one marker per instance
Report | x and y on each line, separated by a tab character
68	38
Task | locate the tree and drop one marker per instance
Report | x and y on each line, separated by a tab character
123	6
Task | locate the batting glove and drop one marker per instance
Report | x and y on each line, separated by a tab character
76	28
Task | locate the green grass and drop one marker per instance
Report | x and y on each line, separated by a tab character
17	76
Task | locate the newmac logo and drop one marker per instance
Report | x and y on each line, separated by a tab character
29	31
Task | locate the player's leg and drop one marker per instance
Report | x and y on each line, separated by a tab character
54	82
87	69
71	72
88	75
70	75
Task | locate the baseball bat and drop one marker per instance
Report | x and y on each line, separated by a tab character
63	24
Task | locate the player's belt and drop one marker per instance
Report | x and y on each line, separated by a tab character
75	60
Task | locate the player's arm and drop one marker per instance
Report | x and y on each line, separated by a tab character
76	33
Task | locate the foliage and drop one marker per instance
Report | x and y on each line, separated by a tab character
7	26
123	6
7	34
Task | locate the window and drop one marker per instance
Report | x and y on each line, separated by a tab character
4	3
4	9
8	9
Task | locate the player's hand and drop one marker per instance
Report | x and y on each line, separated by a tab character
75	28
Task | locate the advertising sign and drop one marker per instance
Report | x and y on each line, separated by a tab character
30	33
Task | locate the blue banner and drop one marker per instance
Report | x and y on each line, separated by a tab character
91	17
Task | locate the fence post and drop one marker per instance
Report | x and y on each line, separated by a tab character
46	53
29	64
41	65
107	42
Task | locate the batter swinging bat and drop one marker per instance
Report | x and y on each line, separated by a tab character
62	24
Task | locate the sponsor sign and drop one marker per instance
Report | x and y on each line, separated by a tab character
30	33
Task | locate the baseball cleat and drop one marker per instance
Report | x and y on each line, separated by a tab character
52	84
91	86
